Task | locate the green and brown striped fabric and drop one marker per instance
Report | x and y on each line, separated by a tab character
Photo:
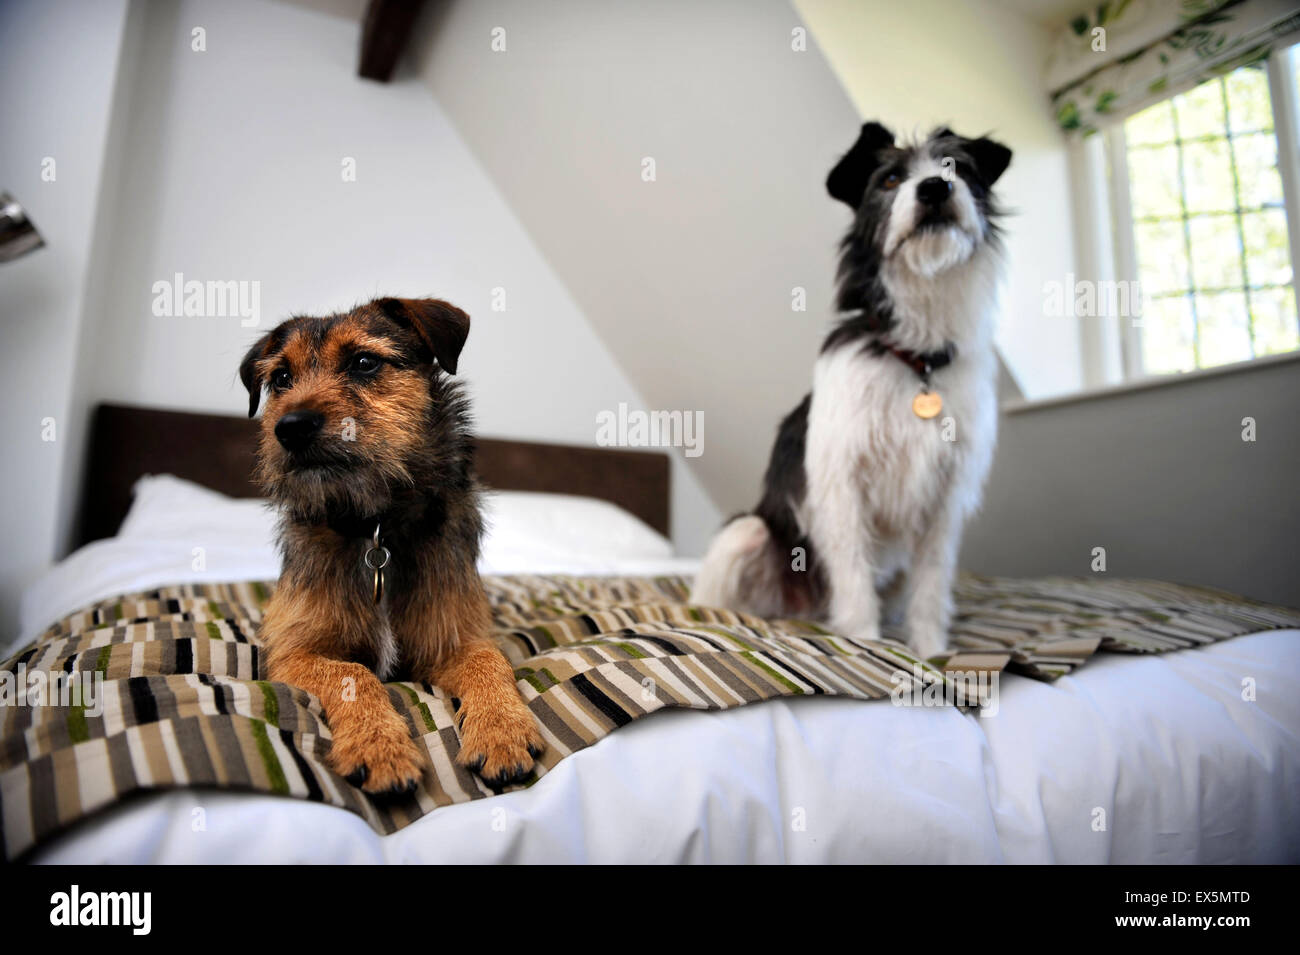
184	704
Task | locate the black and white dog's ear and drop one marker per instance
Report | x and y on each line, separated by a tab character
991	159
848	180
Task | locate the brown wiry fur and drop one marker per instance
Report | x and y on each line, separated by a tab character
394	448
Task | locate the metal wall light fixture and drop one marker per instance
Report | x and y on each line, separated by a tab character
17	234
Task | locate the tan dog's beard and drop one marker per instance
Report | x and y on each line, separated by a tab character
315	494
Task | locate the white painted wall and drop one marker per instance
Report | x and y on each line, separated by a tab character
55	87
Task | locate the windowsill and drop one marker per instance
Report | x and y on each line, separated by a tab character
1021	405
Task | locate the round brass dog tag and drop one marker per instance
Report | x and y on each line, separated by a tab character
927	404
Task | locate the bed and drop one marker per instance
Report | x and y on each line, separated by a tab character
1185	756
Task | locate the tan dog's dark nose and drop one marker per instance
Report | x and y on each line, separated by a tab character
297	429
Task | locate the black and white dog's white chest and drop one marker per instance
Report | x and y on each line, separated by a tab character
863	432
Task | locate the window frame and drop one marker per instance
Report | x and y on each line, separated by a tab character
1281	67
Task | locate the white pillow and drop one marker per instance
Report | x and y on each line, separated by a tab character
526	531
165	507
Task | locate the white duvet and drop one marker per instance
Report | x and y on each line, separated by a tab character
1132	759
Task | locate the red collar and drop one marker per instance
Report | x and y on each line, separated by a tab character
923	363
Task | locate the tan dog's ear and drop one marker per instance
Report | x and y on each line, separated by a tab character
441	326
249	372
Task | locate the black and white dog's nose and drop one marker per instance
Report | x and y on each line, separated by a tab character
933	191
298	429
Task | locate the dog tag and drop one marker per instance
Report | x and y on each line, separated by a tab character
376	558
927	404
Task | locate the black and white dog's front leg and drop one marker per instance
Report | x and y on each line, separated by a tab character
839	529
928	613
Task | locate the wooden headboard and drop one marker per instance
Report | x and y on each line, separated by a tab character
217	452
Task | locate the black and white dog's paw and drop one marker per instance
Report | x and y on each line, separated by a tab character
928	642
857	629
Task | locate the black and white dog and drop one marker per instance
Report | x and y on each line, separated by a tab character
874	473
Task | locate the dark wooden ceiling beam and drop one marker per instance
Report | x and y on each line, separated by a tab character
385	33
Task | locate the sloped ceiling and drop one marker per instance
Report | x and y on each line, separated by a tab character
689	278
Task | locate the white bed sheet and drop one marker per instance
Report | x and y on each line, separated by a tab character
1131	759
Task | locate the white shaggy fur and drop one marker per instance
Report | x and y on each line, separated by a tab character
386	644
735	564
887	494
887	491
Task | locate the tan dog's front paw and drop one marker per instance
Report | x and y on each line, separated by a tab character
378	755
499	742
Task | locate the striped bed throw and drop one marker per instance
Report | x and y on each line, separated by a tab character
165	689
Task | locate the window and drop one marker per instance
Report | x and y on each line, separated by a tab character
1207	210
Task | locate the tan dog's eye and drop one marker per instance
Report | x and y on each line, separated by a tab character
891	181
364	365
281	379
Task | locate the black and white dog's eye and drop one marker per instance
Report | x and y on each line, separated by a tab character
891	181
281	379
365	365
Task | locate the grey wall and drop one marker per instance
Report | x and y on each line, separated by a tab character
1161	478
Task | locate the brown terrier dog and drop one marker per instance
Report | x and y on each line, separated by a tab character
366	449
